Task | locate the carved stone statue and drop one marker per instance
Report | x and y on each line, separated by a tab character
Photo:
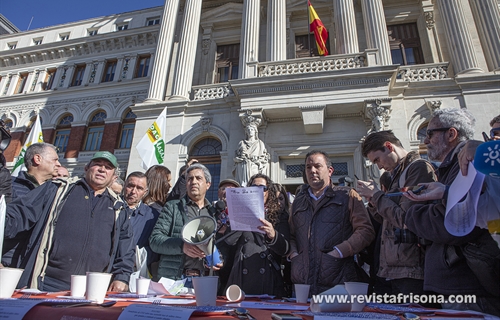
251	155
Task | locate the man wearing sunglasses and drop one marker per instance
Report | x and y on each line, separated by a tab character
446	271
495	128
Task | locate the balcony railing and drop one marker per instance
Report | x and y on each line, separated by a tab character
211	91
423	72
310	65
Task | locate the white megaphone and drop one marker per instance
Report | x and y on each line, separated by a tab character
200	232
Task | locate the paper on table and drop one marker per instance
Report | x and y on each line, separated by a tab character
16	308
266	306
147	311
166	300
161	286
245	207
460	217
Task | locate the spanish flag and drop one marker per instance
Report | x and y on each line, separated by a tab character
320	33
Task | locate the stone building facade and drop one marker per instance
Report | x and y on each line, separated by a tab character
391	63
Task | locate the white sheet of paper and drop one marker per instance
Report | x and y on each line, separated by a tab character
460	217
148	311
16	308
245	207
166	286
166	300
266	306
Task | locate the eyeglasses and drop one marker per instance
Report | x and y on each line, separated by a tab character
430	132
494	132
260	186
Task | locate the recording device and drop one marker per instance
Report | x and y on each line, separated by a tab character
397	194
406	236
5	136
200	232
221	214
487	158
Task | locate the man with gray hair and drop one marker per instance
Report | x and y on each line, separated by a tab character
42	162
177	258
446	271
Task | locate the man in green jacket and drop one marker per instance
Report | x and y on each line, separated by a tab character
177	258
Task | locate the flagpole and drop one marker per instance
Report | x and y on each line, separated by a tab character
308	30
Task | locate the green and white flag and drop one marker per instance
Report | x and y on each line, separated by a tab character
35	136
151	148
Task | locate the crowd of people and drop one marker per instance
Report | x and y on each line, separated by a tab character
57	226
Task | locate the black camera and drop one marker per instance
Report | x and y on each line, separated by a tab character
406	236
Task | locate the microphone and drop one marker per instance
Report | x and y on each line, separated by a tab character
487	158
221	214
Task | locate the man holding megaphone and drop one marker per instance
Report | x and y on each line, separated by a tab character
178	258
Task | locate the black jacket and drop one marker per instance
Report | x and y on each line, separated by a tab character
38	213
442	275
255	262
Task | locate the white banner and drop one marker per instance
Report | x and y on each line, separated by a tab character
35	136
151	148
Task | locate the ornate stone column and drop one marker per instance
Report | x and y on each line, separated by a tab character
184	67
11	84
487	17
41	79
459	41
376	29
249	43
345	26
158	83
276	30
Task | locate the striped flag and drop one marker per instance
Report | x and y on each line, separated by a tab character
35	136
151	148
320	32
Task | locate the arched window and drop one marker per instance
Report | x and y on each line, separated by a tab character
95	131
63	130
127	134
207	152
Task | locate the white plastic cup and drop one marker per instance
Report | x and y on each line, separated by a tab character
302	292
205	290
358	289
234	293
142	286
9	277
78	285
97	286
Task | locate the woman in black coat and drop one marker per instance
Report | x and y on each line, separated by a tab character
254	258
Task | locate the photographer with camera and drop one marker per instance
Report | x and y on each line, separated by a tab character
401	251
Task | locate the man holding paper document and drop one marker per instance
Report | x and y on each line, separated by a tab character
446	270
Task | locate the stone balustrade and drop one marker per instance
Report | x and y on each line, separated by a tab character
423	72
312	65
211	91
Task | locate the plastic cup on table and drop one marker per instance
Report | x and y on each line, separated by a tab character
9	277
142	286
78	285
205	290
234	293
358	289
97	286
302	292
